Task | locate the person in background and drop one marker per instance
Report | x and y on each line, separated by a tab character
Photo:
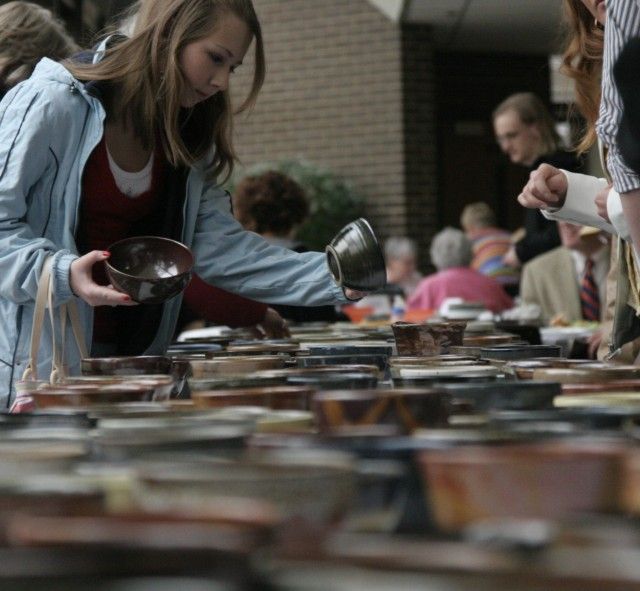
401	261
400	257
569	281
29	32
490	244
275	206
451	254
525	132
584	199
133	143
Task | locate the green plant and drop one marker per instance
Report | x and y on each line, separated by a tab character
332	200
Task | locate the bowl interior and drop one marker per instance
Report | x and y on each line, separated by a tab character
150	257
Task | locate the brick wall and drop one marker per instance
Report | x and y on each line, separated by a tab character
420	150
334	96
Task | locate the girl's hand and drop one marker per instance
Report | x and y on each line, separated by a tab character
601	203
83	285
353	295
547	187
274	326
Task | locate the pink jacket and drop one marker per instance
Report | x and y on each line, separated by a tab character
461	282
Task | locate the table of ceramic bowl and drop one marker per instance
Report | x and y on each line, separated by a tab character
143	364
429	338
543	480
405	408
237	365
317	486
505	395
511	352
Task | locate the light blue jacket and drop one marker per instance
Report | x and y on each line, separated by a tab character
49	125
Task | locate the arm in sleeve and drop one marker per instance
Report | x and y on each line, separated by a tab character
623	23
244	263
221	307
540	237
26	125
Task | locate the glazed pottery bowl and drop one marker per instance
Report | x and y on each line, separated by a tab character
162	385
539	480
327	380
235	365
428	338
276	397
355	258
408	409
150	269
87	395
312	485
137	365
504	395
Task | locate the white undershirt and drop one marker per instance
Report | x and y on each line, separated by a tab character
132	184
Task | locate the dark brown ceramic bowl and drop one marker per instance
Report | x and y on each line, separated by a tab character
150	269
408	409
77	395
428	338
276	397
355	258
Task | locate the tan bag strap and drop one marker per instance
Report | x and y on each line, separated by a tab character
31	371
44	299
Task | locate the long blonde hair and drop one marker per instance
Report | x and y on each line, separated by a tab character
28	33
531	110
582	61
147	82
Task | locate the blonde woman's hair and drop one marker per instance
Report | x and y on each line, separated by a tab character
531	110
582	61
477	215
146	80
28	33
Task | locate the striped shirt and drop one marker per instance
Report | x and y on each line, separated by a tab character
623	23
489	246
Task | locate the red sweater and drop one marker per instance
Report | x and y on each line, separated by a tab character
106	216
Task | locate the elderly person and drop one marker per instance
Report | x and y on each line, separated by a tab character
451	254
401	261
489	244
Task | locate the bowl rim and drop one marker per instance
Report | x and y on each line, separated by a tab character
146	237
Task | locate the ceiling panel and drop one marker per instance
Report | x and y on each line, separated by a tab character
515	26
